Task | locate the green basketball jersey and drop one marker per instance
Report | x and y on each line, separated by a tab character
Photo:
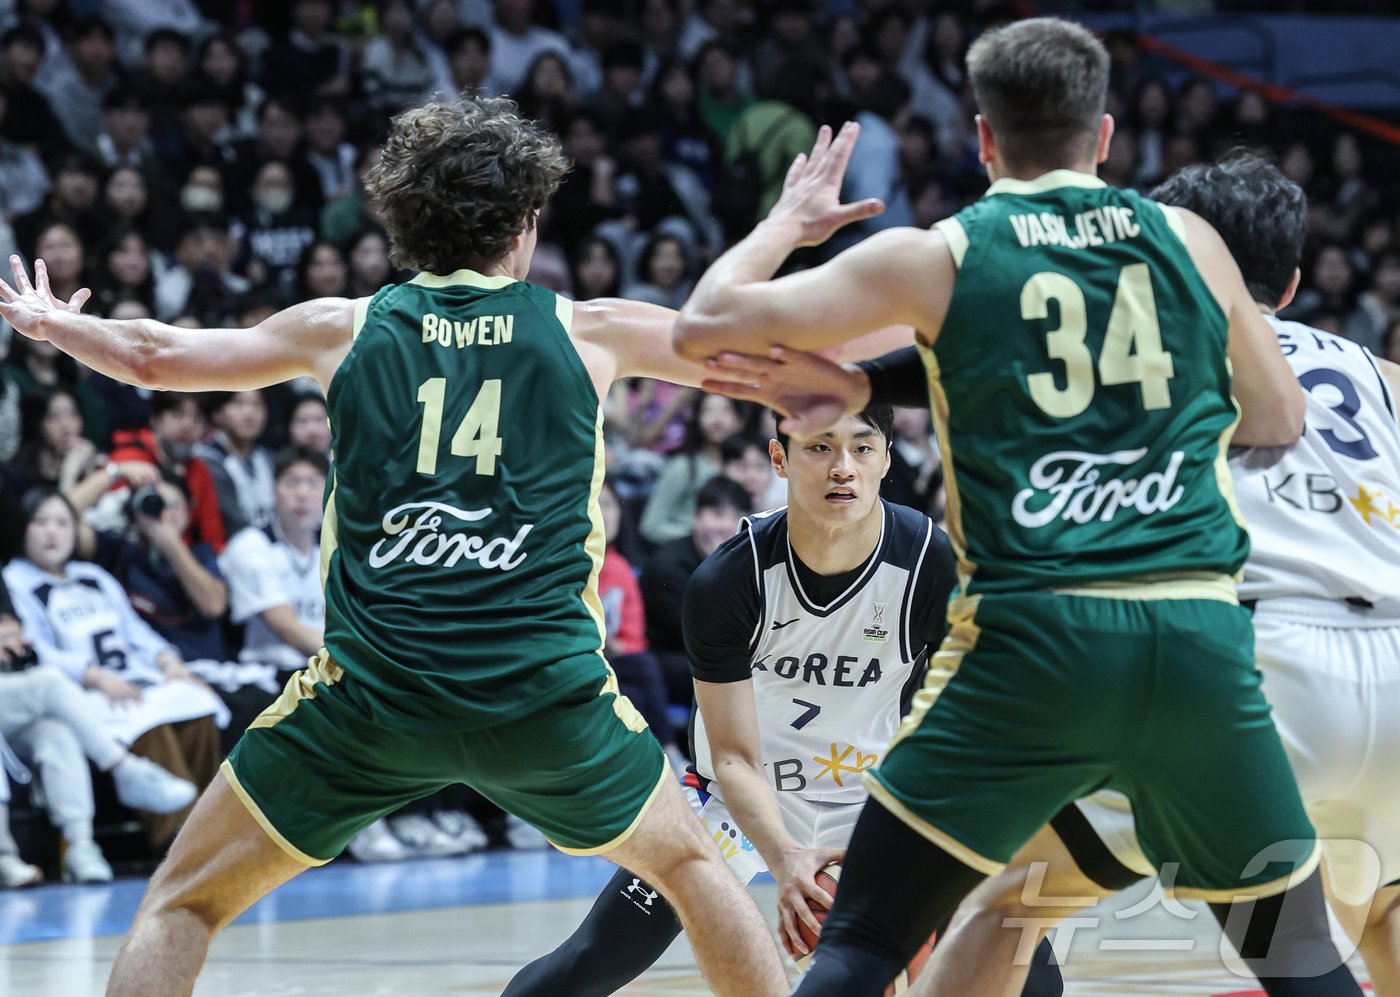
462	539
1082	393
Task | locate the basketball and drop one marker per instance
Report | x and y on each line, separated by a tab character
827	878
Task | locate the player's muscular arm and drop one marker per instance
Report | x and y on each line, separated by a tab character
619	338
731	726
898	277
1270	399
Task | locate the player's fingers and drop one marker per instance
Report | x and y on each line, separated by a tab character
819	147
7	293
794	172
844	214
807	917
21	275
787	928
742	363
742	390
80	297
41	279
841	148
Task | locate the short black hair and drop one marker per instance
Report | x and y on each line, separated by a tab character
735	445
23	33
169	401
467	36
1259	212
724	493
291	456
878	417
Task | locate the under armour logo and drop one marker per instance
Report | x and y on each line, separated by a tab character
638	886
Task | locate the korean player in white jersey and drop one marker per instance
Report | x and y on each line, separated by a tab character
1323	577
808	632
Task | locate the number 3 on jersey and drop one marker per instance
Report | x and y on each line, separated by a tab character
476	435
1132	325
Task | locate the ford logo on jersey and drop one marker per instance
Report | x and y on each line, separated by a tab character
416	527
1071	479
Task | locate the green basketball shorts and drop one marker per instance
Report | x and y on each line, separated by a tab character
1036	699
314	770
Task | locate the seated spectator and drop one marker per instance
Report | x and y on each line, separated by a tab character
201	283
202	138
124	138
174	586
272	235
743	457
274	577
29	120
24	181
638	672
346	217
308	428
123	271
242	470
38	369
221	65
370	267
72	201
177	425
79	84
313	61
81	622
516	39
547	93
322	272
277	138
719	506
468	52
667	273
329	154
395	71
668	513
126	200
52	726
56	454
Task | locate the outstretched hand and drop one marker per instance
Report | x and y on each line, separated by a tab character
812	190
25	304
812	393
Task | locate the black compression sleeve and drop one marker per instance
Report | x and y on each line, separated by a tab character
591	962
897	378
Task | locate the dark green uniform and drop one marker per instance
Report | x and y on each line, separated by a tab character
1081	392
461	550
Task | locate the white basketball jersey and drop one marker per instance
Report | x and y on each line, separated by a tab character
829	680
1324	513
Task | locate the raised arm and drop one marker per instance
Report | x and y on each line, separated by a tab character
309	338
618	338
1267	390
899	277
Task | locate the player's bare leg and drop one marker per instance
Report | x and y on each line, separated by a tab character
732	942
1375	927
222	861
988	945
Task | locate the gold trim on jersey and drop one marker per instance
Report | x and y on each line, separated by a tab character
1272	888
330	535
1174	221
564	311
944	663
256	813
358	322
938	405
1167	585
468	278
1054	180
597	543
630	716
302	685
1223	479
666	777
956	236
879	791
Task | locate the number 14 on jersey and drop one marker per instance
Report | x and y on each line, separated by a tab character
476	434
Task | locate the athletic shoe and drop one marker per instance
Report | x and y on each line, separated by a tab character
422	837
143	785
15	872
84	863
376	843
522	836
462	828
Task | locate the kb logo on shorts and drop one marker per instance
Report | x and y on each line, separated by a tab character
415	527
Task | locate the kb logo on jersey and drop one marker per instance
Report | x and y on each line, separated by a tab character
876	630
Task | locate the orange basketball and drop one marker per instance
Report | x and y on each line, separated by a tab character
827	879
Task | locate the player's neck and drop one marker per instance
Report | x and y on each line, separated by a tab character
997	170
299	538
831	550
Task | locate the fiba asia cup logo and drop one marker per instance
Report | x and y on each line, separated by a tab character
877	630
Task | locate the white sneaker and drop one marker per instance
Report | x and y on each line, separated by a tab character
522	836
85	864
422	837
143	785
15	872
462	828
376	843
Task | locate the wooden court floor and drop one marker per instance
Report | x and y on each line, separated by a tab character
407	936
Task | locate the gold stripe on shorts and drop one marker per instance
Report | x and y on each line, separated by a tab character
301	685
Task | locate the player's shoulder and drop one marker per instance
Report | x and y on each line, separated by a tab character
739	560
910	536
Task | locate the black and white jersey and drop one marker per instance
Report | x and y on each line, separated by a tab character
833	659
1324	513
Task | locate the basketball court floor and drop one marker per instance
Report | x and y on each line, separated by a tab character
463	925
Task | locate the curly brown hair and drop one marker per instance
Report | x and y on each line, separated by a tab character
458	180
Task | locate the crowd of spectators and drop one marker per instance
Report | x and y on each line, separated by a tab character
200	162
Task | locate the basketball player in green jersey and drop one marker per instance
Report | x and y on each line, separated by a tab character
1078	343
460	552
